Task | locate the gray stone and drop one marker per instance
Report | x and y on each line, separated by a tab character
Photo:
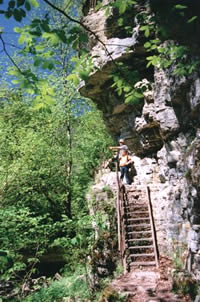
197	299
162	131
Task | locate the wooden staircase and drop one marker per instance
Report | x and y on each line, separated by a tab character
139	229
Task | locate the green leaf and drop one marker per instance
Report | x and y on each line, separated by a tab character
22	39
45	26
74	78
83	37
36	21
8	14
62	36
107	11
11	4
39	48
39	106
127	88
147	32
147	44
27	5
192	19
129	99
143	28
45	65
154	46
34	3
149	64
84	75
51	37
20	3
180	6
50	66
15	81
14	72
23	12
49	100
74	241
138	95
36	33
120	21
37	61
122	7
17	15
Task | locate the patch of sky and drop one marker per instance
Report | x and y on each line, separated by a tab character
10	37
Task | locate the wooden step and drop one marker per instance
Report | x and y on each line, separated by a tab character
138	232
138	212
137	263
141	247
136	209
139	225
136	205
138	219
143	255
140	239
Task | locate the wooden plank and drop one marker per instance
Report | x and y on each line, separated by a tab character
141	247
137	263
138	219
143	255
139	225
138	212
138	232
140	239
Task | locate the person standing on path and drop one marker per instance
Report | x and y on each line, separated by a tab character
124	160
122	146
124	163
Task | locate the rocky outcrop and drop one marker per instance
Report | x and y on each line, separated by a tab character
162	132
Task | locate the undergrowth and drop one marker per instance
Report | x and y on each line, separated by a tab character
183	283
72	285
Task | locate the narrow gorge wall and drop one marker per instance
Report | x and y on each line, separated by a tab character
162	130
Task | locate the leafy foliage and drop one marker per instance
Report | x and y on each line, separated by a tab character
19	8
35	181
73	285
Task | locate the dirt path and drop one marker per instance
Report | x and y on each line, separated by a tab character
148	285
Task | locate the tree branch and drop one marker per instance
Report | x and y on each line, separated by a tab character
91	32
6	52
81	24
12	45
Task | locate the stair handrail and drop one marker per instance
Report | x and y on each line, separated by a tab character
120	220
152	226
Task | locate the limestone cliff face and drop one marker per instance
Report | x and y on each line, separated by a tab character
162	132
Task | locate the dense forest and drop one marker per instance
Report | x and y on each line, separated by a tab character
53	140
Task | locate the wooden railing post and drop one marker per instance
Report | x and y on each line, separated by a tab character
118	209
152	226
120	221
